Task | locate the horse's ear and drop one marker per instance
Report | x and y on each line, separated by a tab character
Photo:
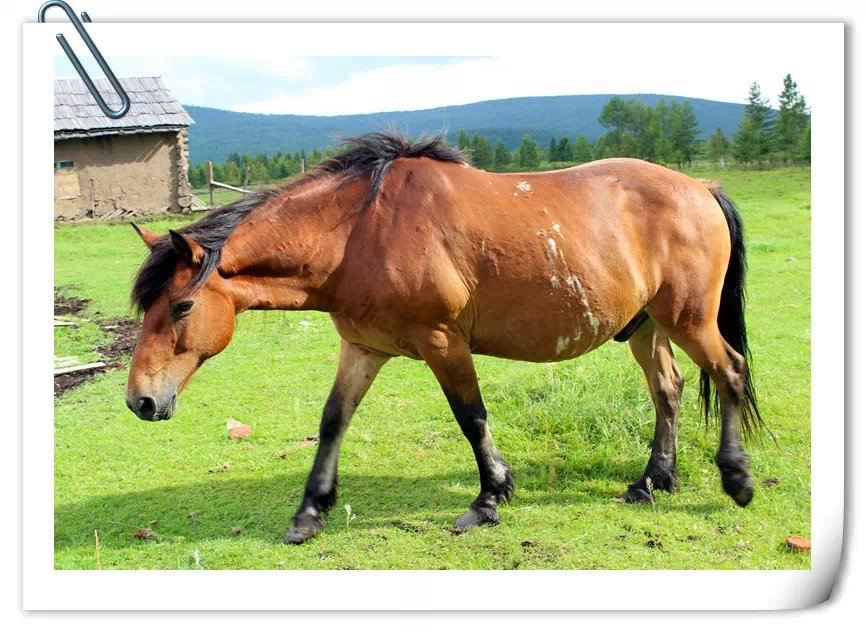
187	247
147	236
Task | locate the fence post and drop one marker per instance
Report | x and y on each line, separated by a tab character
210	181
302	165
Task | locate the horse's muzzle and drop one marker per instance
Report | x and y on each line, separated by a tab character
150	409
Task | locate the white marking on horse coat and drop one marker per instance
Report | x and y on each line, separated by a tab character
524	186
574	283
553	253
550	252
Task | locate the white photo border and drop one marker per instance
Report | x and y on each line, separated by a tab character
50	589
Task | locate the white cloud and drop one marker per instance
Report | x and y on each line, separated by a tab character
287	68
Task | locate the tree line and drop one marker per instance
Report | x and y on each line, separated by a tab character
665	133
244	169
765	136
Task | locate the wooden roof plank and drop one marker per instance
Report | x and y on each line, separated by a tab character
152	106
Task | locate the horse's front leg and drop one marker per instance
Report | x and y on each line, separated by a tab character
449	358
357	370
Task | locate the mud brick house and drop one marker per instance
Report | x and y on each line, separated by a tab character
106	168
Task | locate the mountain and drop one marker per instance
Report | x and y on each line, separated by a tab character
217	133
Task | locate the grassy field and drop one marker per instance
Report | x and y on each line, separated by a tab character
575	433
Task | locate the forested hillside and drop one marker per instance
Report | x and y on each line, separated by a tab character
218	133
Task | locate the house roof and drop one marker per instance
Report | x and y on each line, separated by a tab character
152	108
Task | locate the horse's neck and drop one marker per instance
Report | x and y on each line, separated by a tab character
284	260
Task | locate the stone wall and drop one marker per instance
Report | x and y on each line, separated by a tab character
122	175
184	194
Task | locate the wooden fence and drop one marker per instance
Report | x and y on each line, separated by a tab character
213	184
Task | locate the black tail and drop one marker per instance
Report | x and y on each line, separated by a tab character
732	320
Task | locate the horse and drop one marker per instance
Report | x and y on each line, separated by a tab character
413	252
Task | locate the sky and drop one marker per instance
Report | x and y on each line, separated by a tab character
355	85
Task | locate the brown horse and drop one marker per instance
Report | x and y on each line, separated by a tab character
415	253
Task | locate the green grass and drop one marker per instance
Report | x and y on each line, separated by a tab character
221	196
81	342
575	434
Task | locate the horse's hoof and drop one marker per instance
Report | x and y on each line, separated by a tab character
736	481
304	527
739	486
665	480
479	517
637	494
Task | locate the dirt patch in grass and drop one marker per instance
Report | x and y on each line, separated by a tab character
66	305
122	332
125	332
68	381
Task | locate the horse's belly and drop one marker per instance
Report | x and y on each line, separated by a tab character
550	328
558	294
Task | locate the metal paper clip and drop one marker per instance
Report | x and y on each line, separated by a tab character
124	98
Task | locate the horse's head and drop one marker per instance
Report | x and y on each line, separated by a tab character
189	316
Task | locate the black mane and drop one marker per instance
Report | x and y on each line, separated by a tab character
368	156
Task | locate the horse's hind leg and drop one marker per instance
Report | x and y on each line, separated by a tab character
727	369
357	370
652	350
450	359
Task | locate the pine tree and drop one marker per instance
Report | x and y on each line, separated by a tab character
259	172
463	141
718	147
582	150
197	176
804	144
230	173
501	156
553	151
662	148
482	152
564	152
793	117
752	139
274	167
646	124
527	155
747	147
683	131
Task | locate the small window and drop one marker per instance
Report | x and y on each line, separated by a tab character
64	164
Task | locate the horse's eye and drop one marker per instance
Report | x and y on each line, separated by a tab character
179	310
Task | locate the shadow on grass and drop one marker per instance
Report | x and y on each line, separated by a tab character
262	507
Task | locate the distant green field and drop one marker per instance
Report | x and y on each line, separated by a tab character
575	433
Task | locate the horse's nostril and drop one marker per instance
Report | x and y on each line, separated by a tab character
146	407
